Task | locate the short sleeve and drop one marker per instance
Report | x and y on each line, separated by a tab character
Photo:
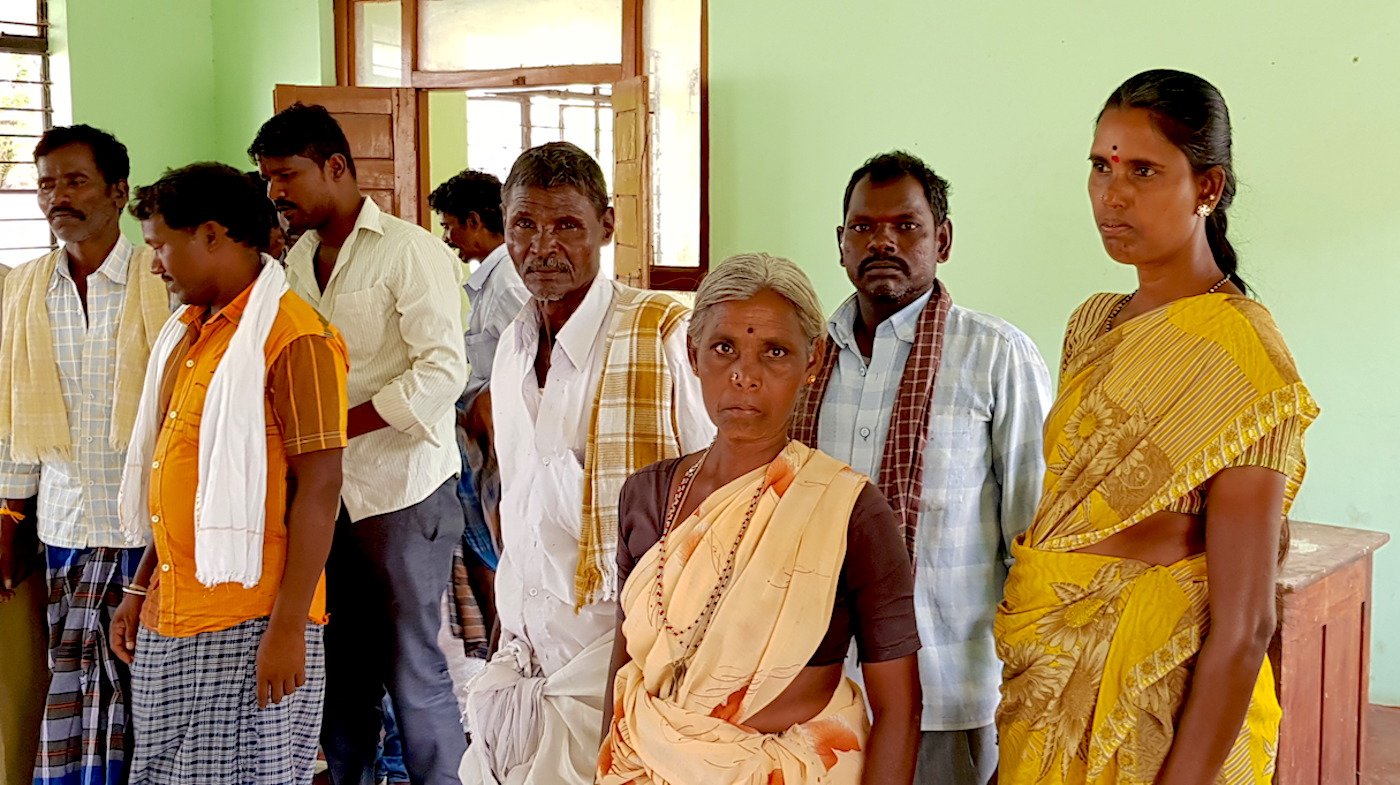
639	512
879	581
1281	449
306	385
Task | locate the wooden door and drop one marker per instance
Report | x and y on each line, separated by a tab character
631	202
385	129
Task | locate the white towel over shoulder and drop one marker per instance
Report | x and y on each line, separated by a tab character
230	500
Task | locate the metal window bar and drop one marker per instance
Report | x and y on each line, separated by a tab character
37	44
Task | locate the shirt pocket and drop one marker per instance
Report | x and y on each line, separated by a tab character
364	317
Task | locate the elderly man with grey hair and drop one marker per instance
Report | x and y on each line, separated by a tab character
591	382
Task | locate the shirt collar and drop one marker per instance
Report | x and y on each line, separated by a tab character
114	267
488	265
581	330
370	218
904	323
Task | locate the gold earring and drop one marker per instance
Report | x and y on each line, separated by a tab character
1203	210
812	379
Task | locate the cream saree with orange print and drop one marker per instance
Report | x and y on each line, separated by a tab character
690	730
1098	650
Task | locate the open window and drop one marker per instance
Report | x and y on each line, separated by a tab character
26	112
623	79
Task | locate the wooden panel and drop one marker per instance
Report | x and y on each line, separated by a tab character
337	100
1322	655
519	77
631	182
370	135
1341	705
385	135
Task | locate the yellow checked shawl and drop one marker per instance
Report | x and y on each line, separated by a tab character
32	415
1098	650
633	426
690	728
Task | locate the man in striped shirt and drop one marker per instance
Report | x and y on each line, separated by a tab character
392	290
945	406
79	323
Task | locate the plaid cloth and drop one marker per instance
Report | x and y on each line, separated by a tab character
195	706
479	488
466	621
83	739
902	465
634	425
29	370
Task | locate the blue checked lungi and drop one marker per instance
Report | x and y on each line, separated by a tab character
195	711
479	488
85	738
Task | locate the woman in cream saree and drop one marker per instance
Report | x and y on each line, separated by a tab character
1110	676
749	568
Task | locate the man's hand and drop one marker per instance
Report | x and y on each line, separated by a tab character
126	619
281	662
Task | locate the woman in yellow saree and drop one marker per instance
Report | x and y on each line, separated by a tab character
748	569
1137	616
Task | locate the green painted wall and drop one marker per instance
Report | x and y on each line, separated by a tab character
1001	98
259	44
447	135
143	70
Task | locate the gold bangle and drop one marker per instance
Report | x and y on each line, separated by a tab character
16	515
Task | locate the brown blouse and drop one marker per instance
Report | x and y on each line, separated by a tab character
875	591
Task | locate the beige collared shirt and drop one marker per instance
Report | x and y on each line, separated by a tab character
395	297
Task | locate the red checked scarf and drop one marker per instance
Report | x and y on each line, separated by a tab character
902	464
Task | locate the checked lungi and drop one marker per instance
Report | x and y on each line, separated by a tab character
85	738
195	708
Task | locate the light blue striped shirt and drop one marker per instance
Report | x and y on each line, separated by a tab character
983	467
78	497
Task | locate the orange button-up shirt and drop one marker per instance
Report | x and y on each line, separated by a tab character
305	406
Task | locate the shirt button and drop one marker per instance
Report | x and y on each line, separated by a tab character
172	414
865	433
89	440
546	461
90	396
165	568
155	519
189	363
862	370
534	593
155	464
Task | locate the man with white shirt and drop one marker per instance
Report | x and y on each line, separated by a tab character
944	405
469	205
79	324
591	383
391	289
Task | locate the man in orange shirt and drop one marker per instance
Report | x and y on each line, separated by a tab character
236	473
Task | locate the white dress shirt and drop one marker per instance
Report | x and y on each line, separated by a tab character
497	294
541	441
78	497
394	296
983	467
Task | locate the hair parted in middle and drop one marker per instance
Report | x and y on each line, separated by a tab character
744	275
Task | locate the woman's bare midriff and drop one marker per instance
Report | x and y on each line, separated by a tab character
803	700
1161	539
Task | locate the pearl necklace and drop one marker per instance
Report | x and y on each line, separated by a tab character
1127	298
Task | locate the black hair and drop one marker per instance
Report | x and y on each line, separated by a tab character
256	179
307	131
558	164
1191	113
467	192
109	154
896	164
187	197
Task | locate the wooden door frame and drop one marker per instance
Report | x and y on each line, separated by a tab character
657	276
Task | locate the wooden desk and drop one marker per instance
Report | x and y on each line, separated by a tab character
1321	654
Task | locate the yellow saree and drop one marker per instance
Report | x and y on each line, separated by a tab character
1098	650
765	629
